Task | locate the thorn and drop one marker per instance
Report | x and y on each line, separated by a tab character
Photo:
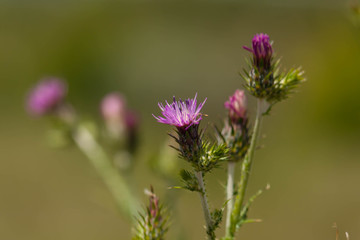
267	186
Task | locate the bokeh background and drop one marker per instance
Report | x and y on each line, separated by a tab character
151	50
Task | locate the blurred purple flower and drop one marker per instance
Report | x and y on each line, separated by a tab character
181	113
46	96
262	51
237	106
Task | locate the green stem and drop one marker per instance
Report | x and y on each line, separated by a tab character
111	177
245	171
204	203
230	194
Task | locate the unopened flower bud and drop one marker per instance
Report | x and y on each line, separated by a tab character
237	106
154	223
264	79
262	52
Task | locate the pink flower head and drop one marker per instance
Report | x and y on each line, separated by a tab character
237	106
113	107
46	96
181	113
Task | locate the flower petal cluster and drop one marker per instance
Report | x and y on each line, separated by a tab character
237	106
181	113
46	96
262	51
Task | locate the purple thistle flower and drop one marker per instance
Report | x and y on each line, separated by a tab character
262	51
237	106
46	96
181	113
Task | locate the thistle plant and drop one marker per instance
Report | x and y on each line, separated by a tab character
237	144
112	152
203	156
265	81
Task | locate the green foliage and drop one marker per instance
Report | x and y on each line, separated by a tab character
217	216
245	209
189	180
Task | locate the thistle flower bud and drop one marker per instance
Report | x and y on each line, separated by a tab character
153	225
46	96
237	106
262	52
264	79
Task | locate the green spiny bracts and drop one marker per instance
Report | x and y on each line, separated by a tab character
152	225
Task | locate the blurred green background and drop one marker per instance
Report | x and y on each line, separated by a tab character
151	50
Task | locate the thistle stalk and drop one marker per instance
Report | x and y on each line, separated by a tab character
229	194
204	203
245	171
102	164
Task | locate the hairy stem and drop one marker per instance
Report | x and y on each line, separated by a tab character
245	171
229	194
109	174
204	203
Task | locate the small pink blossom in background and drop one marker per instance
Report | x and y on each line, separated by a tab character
46	96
